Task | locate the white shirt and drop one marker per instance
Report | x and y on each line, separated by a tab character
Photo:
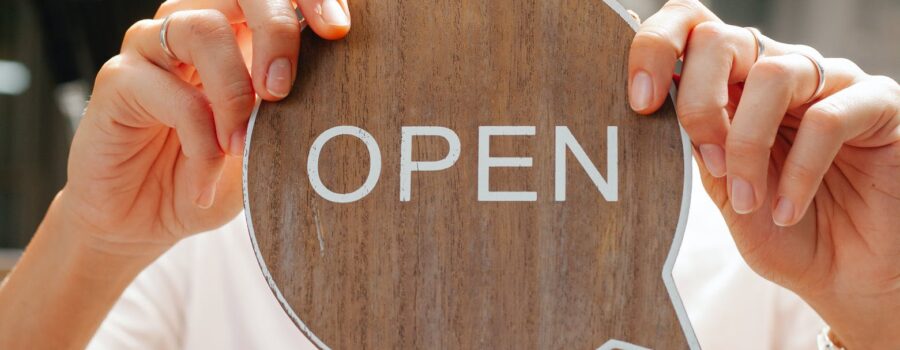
207	292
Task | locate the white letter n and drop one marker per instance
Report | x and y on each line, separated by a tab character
565	140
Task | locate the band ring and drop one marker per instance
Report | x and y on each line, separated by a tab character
300	18
164	38
760	47
820	70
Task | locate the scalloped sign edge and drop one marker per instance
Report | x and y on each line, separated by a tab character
667	276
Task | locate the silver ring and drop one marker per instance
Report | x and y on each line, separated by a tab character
820	69
760	47
164	38
300	18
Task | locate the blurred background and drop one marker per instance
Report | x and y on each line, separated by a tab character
50	51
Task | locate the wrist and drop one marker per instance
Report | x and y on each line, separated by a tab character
69	216
863	323
86	254
66	282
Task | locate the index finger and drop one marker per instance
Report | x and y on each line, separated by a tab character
658	44
330	19
276	38
276	41
276	33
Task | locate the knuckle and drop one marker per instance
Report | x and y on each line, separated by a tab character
205	147
885	83
717	36
711	32
202	149
195	106
824	118
165	7
207	151
208	24
774	73
891	95
134	31
655	37
110	83
695	115
771	69
239	97
845	64
742	146
112	71
280	26
795	171
197	129
652	35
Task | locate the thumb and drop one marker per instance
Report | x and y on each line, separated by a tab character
330	19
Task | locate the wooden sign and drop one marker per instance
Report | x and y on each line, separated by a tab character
468	175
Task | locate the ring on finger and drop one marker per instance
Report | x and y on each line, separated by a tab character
164	38
760	47
300	18
820	70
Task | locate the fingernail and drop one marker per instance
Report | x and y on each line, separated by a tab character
714	159
205	200
278	80
641	91
784	212
741	196
333	13
237	142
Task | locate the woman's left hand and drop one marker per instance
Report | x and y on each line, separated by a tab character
805	171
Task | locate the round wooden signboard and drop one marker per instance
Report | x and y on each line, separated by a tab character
468	175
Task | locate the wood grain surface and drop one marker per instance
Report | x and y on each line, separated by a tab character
445	271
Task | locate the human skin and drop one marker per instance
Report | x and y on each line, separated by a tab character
808	187
155	160
155	157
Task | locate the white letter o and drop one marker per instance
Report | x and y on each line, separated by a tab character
312	164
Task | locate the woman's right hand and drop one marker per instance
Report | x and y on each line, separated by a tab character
155	157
